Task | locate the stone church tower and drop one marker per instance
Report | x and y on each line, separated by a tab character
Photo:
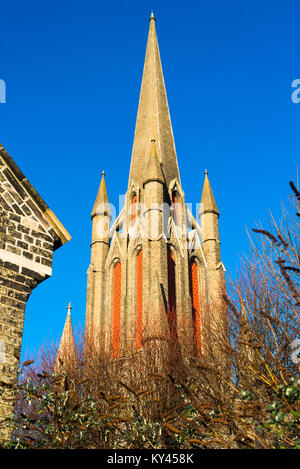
155	272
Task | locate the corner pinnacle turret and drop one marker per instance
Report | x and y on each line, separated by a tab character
208	202
101	205
153	119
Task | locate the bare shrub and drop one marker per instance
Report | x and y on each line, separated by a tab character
243	391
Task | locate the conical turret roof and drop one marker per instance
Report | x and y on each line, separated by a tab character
66	350
101	205
208	202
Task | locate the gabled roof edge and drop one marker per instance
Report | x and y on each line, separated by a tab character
58	228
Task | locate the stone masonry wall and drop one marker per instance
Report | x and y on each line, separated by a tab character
27	242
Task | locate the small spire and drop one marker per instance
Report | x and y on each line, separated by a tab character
66	350
154	172
101	206
208	202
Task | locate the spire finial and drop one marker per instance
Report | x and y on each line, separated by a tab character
152	17
103	173
69	308
206	172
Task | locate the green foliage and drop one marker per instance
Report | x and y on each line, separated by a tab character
56	412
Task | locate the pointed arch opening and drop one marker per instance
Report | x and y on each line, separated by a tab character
133	209
139	298
172	315
117	277
195	296
175	206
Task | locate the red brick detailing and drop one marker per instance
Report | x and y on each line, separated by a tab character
116	310
194	290
172	319
139	298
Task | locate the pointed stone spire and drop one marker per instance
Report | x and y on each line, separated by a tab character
101	205
154	172
66	350
153	119
208	203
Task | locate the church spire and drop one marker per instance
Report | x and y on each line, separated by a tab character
101	216
66	350
153	119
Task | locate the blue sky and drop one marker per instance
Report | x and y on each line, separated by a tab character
73	73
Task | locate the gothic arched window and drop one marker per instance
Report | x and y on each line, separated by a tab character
194	291
172	318
116	310
139	298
